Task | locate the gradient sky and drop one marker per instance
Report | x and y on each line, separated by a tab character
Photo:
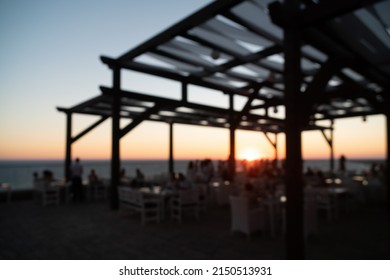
50	57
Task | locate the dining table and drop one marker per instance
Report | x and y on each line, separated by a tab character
163	194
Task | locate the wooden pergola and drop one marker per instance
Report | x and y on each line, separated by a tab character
315	60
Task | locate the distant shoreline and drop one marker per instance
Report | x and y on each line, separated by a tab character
365	160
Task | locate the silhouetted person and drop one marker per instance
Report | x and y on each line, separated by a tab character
124	179
182	182
47	175
342	163
374	169
77	173
93	178
309	172
191	171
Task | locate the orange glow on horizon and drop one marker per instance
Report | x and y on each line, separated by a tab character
150	141
249	154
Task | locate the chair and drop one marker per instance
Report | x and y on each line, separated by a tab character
243	218
185	201
325	202
99	190
203	196
50	192
148	205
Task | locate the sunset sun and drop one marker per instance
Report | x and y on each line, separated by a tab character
249	154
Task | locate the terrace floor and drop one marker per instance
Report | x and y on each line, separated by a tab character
91	231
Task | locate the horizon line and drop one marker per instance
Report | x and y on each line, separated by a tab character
189	159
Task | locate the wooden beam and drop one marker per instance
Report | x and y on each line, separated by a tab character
271	102
275	49
315	90
262	33
370	96
194	20
273	143
85	131
338	50
321	79
247	107
88	102
177	103
315	14
165	73
236	55
142	117
329	140
327	10
348	115
253	28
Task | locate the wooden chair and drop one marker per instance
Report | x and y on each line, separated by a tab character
147	205
98	190
50	192
203	196
185	201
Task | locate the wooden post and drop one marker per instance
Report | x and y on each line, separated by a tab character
232	155
331	152
274	144
295	247
171	167
68	149
115	155
184	92
232	138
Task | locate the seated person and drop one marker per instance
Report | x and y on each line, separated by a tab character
182	182
93	178
139	180
139	175
48	175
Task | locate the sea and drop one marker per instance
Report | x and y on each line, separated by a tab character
19	173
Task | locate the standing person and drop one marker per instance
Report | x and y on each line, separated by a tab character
191	171
77	173
342	164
